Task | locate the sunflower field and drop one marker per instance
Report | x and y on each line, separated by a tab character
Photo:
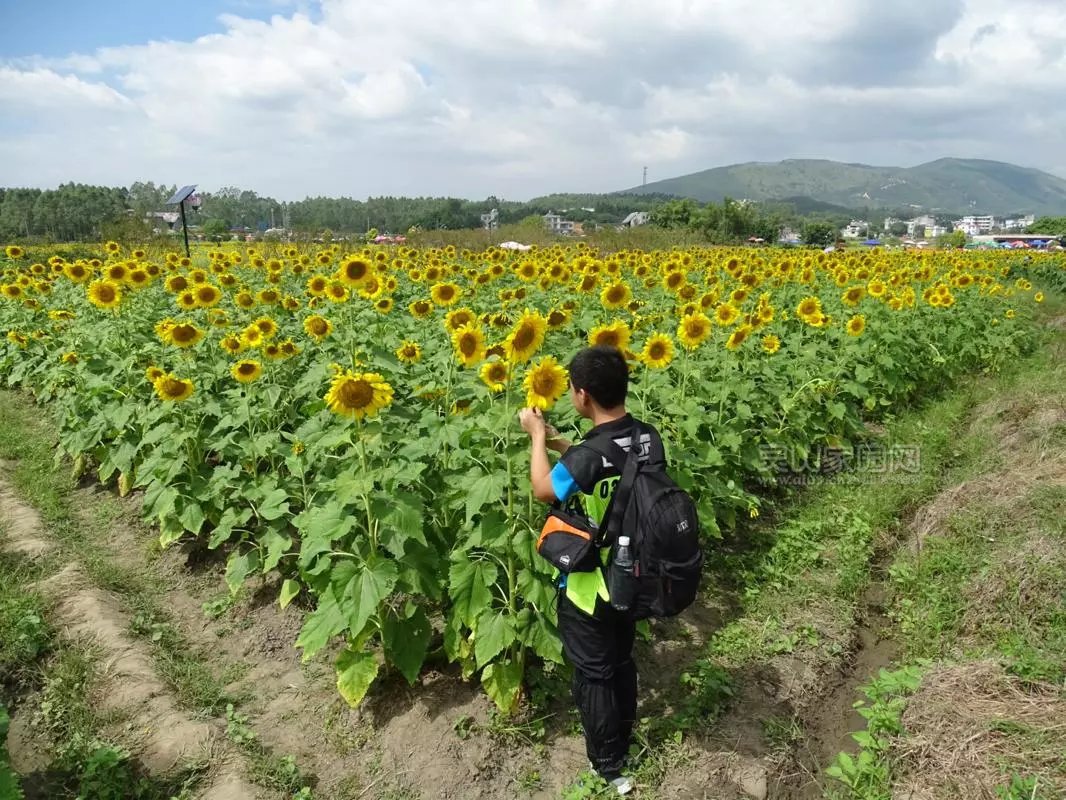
346	421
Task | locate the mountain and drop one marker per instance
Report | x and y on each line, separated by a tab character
953	185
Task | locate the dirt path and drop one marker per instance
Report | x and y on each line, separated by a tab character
160	735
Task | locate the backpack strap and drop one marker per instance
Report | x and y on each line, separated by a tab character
629	464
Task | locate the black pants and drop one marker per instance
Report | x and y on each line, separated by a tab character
600	647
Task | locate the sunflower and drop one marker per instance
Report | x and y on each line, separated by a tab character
218	318
354	271
445	294
267	326
153	373
856	325
693	329
383	305
615	334
12	290
1038	297
726	314
616	295
231	344
78	273
674	280
409	352
526	337
17	338
658	351
771	344
184	334
469	345
853	295
1009	313
268	296
138	278
112	247
245	300
809	308
172	388
117	273
557	317
420	309
318	327
13	251
246	371
273	351
176	283
105	294
454	320
738	336
317	285
252	336
494	374
545	382
358	395
876	288
372	288
208	295
337	292
187	300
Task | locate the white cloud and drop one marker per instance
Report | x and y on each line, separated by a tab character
440	96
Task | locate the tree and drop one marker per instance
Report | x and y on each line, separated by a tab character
820	234
1054	226
955	239
675	214
898	228
216	230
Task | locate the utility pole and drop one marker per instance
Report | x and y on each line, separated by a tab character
645	182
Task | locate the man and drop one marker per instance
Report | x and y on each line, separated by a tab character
597	640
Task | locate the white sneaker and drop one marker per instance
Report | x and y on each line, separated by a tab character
622	785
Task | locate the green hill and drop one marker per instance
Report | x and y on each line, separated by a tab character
950	185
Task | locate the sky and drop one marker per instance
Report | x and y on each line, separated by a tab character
515	98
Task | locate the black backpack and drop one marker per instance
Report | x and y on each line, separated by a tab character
660	520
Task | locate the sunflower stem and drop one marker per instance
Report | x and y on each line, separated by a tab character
371	529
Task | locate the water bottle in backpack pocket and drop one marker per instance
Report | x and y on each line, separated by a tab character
623	584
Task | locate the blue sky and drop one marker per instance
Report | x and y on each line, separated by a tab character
55	28
515	98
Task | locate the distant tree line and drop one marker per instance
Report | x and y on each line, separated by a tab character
79	212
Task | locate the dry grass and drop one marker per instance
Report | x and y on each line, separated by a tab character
971	726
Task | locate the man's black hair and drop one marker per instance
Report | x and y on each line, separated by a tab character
602	372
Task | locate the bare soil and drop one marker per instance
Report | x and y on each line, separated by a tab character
157	732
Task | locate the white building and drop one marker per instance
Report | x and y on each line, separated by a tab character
557	225
1019	224
491	221
855	229
916	227
980	223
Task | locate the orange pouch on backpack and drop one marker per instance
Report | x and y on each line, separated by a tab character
568	542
